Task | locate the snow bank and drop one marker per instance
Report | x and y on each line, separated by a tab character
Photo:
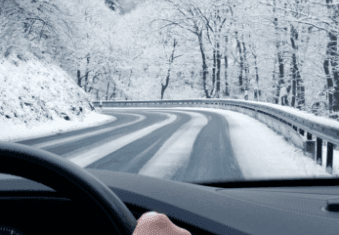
40	99
33	92
18	132
303	114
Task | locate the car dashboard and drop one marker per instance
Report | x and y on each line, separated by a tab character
33	208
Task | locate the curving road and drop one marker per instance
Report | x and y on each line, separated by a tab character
181	145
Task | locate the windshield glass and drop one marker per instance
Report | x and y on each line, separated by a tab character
185	90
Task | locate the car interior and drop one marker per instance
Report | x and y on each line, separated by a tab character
53	195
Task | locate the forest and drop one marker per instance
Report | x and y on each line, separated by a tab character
278	51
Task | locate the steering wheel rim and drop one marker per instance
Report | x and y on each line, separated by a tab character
68	178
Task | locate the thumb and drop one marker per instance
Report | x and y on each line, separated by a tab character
153	223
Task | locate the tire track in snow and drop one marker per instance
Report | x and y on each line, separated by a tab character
88	157
176	151
132	157
83	136
79	147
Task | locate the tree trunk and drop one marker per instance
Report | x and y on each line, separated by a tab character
276	84
171	59
332	57
213	72
257	92
279	54
298	89
281	68
294	80
113	93
241	63
294	66
246	69
335	72
163	87
114	90
226	92
204	64
329	81
107	92
79	77
217	91
87	73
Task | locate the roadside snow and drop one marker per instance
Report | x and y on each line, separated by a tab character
33	92
17	132
74	138
303	114
262	153
39	99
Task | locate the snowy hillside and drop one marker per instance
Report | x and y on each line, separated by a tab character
35	93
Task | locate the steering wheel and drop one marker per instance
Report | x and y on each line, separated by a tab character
67	178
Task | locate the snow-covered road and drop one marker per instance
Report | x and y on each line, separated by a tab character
190	144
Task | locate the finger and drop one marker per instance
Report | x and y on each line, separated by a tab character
158	224
147	216
144	224
154	218
176	229
180	231
162	222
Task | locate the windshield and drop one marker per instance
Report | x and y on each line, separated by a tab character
184	90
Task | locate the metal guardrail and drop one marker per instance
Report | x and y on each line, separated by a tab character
282	121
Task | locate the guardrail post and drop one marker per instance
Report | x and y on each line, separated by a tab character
301	132
319	151
329	162
309	136
309	146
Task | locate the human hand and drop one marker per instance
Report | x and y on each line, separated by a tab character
153	223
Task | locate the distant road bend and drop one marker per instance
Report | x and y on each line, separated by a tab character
177	144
